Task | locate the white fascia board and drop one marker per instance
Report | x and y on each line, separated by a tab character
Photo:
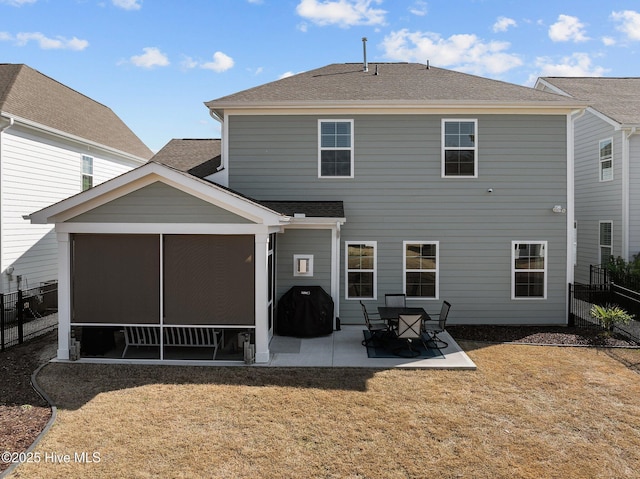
314	223
164	228
145	175
411	109
73	138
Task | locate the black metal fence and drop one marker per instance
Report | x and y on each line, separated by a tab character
602	274
28	313
582	297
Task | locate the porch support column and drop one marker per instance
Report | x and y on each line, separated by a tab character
64	295
261	298
335	272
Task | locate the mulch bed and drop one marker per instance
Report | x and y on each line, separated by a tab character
24	414
552	335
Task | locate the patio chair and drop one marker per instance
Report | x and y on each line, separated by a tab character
395	300
376	326
433	328
409	328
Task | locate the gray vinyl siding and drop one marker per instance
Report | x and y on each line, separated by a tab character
595	200
397	194
158	203
313	242
634	195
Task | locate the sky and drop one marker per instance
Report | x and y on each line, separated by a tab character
155	62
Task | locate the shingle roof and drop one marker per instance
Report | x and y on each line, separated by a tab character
199	157
316	209
617	98
28	94
395	84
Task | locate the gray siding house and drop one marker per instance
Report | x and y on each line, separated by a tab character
397	178
607	168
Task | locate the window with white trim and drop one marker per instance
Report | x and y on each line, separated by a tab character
529	269
459	148
87	172
335	144
605	152
605	242
361	265
421	269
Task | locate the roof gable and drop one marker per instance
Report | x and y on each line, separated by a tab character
149	174
29	95
617	98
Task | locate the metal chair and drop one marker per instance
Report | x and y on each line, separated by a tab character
409	328
433	328
395	300
376	326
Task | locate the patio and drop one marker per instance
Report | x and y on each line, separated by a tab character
343	349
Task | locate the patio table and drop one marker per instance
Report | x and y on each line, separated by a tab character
391	314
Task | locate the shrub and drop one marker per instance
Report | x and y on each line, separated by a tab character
610	315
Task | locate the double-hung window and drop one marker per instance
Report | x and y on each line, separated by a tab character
335	142
605	241
459	148
529	269
421	268
605	152
87	172
361	264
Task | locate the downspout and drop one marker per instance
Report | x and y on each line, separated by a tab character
2	130
626	135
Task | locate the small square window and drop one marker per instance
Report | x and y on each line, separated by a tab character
303	265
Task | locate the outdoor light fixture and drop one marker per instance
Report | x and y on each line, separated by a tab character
558	209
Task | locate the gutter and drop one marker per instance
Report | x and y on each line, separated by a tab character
73	138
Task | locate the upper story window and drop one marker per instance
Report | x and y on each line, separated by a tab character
87	172
606	159
529	270
459	148
421	267
361	266
335	141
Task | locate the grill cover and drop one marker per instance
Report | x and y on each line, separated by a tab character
304	312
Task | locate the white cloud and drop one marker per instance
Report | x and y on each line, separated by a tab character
17	3
220	63
566	29
128	4
503	24
419	8
629	23
152	57
46	43
576	65
608	41
344	13
463	52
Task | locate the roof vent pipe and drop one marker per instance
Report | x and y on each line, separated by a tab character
364	51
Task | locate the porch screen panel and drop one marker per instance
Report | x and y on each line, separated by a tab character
209	279
116	278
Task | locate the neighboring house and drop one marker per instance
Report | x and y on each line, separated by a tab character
396	178
198	157
54	142
607	168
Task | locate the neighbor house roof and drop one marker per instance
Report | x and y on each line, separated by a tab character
27	94
388	84
617	98
198	157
